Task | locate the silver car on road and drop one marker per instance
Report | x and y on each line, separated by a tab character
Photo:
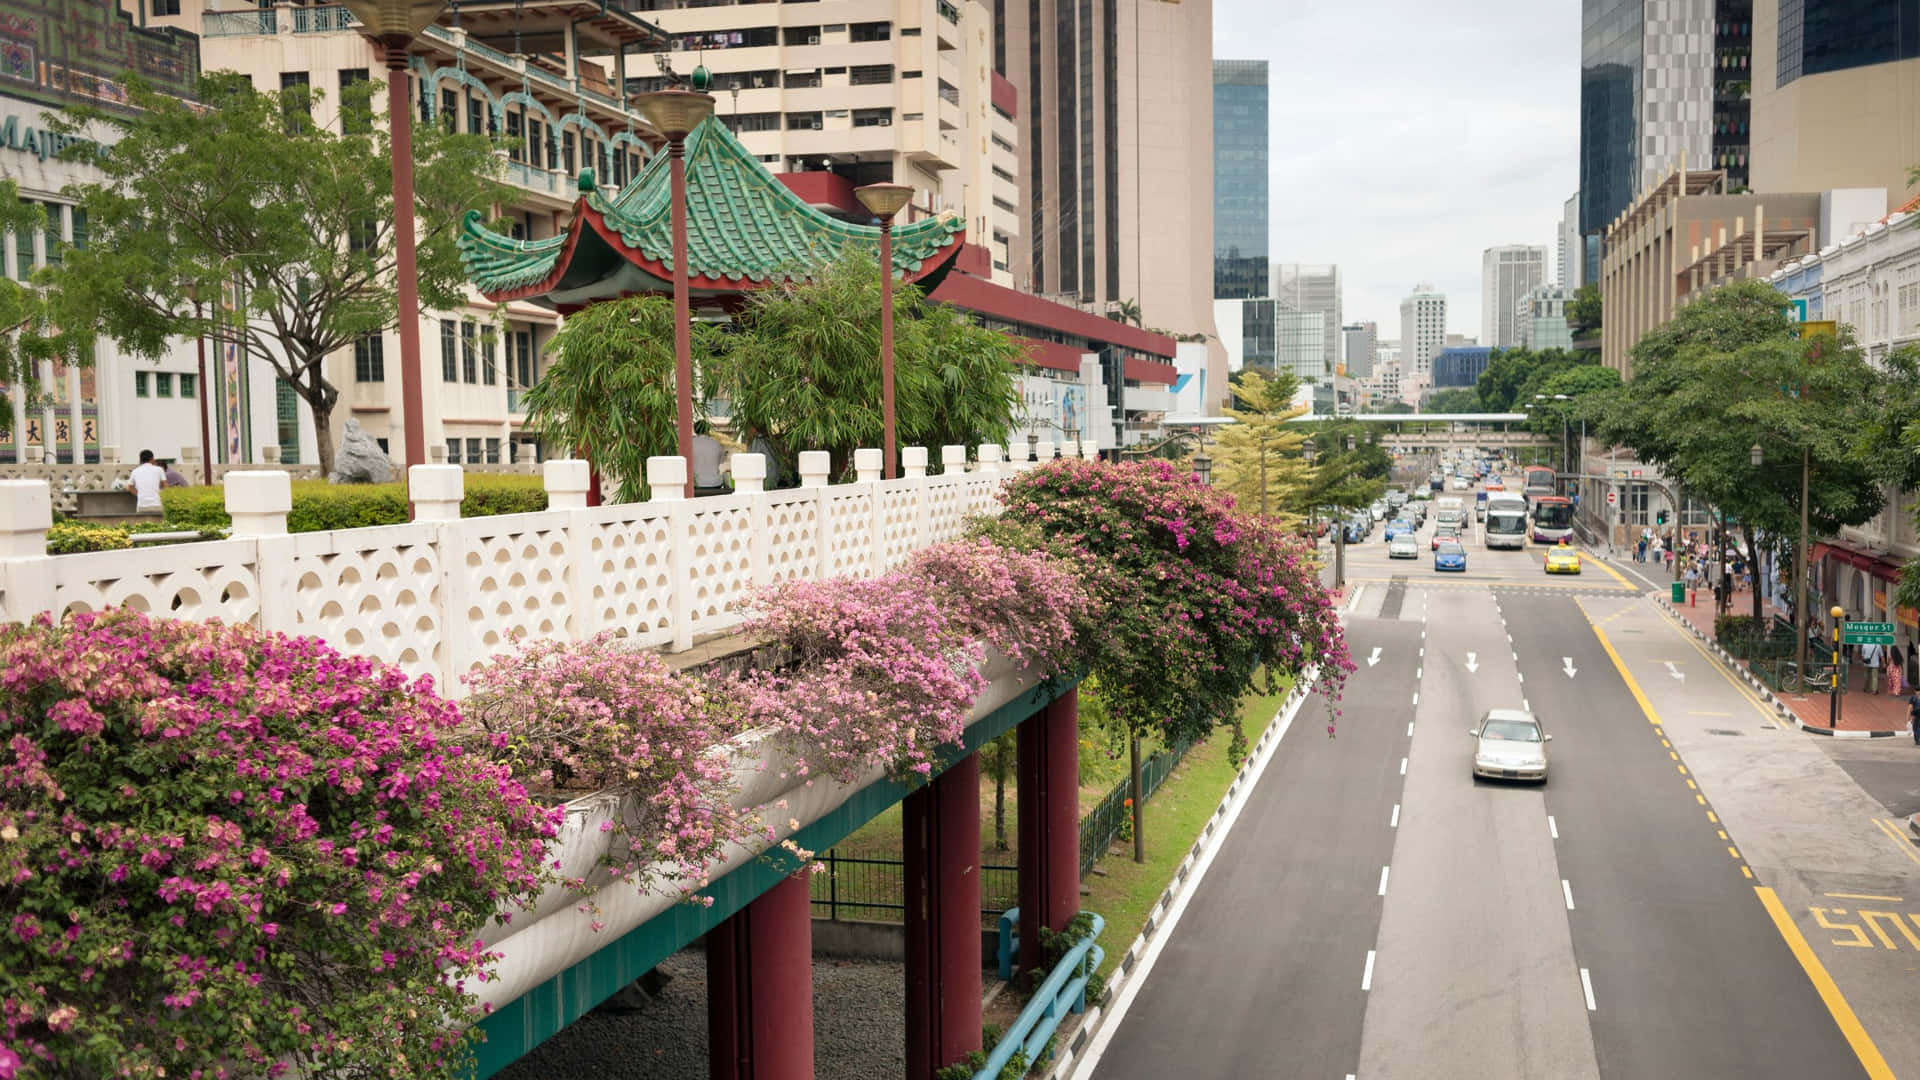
1509	745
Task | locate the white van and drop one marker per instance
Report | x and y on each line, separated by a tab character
1449	510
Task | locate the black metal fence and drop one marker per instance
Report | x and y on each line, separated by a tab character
876	889
1105	822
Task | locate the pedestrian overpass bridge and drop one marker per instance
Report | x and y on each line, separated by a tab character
1447	431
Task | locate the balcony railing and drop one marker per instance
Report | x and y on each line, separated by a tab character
949	12
527	176
323	20
260	23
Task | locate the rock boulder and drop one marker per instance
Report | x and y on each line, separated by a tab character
360	460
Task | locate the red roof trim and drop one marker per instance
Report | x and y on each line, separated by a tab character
1149	371
978	294
1006	97
1860	560
1052	355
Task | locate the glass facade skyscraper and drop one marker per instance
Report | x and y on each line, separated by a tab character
1240	179
1833	35
1612	41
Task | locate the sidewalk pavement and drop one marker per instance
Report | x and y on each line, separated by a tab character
1860	711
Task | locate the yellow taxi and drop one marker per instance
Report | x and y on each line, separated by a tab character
1563	560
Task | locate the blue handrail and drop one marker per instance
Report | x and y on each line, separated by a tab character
1009	942
1064	991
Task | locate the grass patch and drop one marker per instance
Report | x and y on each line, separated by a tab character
1127	891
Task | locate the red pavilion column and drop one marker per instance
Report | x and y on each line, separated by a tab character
1048	788
941	842
760	988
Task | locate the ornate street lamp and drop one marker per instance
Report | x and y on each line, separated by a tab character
1203	467
883	201
674	114
394	24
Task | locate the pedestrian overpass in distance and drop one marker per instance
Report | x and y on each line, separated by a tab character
1417	432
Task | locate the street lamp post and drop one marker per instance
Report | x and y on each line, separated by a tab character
883	201
674	114
394	24
1833	686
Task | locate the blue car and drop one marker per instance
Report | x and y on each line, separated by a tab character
1356	530
1450	555
1398	527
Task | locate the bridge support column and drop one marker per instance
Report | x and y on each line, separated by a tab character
942	852
1048	787
760	988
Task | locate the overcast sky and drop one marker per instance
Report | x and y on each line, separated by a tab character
1408	136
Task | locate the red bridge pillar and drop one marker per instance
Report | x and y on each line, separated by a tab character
760	988
1048	789
942	851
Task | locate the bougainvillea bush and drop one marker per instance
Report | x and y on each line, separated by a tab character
573	717
1193	602
885	669
232	854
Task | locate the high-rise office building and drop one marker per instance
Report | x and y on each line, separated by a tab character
1358	346
1302	287
1836	94
1239	179
1423	329
1117	146
1507	273
1567	245
1663	83
1542	318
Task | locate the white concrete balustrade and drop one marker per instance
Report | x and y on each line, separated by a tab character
440	595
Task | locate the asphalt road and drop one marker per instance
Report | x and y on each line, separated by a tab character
1376	912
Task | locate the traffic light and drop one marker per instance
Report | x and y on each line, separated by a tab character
1660	518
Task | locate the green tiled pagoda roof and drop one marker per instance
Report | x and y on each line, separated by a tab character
745	230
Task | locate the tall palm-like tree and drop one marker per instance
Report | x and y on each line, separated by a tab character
1127	311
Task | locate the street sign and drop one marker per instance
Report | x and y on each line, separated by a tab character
1866	633
1612	497
1797	310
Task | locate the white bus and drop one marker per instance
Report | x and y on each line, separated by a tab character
1506	525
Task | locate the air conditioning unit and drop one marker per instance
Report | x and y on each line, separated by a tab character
813	39
885	121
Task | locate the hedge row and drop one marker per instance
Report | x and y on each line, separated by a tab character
319	505
68	537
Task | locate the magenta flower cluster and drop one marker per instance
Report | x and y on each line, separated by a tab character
232	854
599	715
886	668
1194	603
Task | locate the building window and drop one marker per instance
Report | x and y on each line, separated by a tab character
356	113
449	370
765	121
871	31
296	106
803	80
449	109
469	360
537	143
189	386
476	111
163	384
453	451
473	451
567	152
869	74
804	121
489	362
520	358
515	151
140	381
369	359
162	8
493	451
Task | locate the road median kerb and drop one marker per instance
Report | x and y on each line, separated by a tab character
1760	687
1184	879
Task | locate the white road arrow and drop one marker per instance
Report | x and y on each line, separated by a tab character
1473	665
1568	668
1375	658
1674	671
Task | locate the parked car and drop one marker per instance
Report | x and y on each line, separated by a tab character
1403	547
1450	555
1509	745
1357	528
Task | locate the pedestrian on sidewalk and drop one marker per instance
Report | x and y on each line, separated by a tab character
1913	717
1871	657
1640	549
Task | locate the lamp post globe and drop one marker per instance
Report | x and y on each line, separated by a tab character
883	201
1756	455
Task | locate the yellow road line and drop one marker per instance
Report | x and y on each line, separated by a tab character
1836	1002
1712	818
1633	684
1747	872
1733	852
1864	896
1893	834
1741	688
1615	574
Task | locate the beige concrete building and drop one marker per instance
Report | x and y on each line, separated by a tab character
1683	237
1854	125
1118	177
862	91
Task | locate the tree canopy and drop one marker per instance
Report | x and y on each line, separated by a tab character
36	323
259	194
1458	399
1263	447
